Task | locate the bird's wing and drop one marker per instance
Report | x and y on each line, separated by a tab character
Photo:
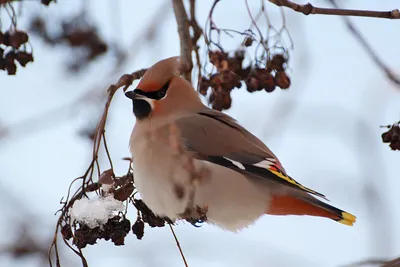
216	137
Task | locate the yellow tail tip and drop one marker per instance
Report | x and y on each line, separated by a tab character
348	219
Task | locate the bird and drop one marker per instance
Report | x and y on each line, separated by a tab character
196	163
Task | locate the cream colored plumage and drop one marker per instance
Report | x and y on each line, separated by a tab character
190	160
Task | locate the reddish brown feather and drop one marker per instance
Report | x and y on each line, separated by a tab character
147	86
288	205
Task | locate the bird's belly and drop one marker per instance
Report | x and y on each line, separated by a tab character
157	178
234	201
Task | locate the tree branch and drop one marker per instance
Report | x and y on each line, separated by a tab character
378	262
392	263
185	40
308	9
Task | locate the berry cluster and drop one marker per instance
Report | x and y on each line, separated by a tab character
11	41
263	78
231	73
392	136
115	229
77	33
148	216
145	215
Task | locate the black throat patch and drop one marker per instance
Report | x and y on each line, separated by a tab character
141	108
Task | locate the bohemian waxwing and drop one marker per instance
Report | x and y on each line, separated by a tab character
192	162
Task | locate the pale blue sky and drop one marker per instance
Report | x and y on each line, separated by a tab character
331	142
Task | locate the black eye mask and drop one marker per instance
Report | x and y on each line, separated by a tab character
156	95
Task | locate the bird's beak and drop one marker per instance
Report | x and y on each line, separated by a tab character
131	94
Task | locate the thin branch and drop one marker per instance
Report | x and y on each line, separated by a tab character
197	34
392	263
178	245
366	262
108	152
308	9
378	262
185	40
370	51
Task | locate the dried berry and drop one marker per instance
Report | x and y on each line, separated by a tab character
138	228
5	40
267	81
124	192
46	2
126	225
253	83
395	145
229	80
79	239
66	232
243	73
217	57
216	100
392	136
119	240
227	101
92	187
282	80
276	63
11	67
23	58
86	236
248	41
106	177
204	84
17	38
148	216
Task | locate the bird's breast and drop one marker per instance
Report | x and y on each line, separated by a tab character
159	178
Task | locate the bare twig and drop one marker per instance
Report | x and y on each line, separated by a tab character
308	9
185	40
108	152
125	81
212	26
392	263
377	262
370	51
256	26
178	245
366	262
197	33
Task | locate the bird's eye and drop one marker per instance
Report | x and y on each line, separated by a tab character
161	94
163	91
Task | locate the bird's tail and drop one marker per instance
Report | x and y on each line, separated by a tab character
291	205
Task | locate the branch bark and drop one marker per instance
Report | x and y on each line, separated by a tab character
308	9
392	263
185	39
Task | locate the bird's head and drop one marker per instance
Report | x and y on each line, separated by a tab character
162	91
